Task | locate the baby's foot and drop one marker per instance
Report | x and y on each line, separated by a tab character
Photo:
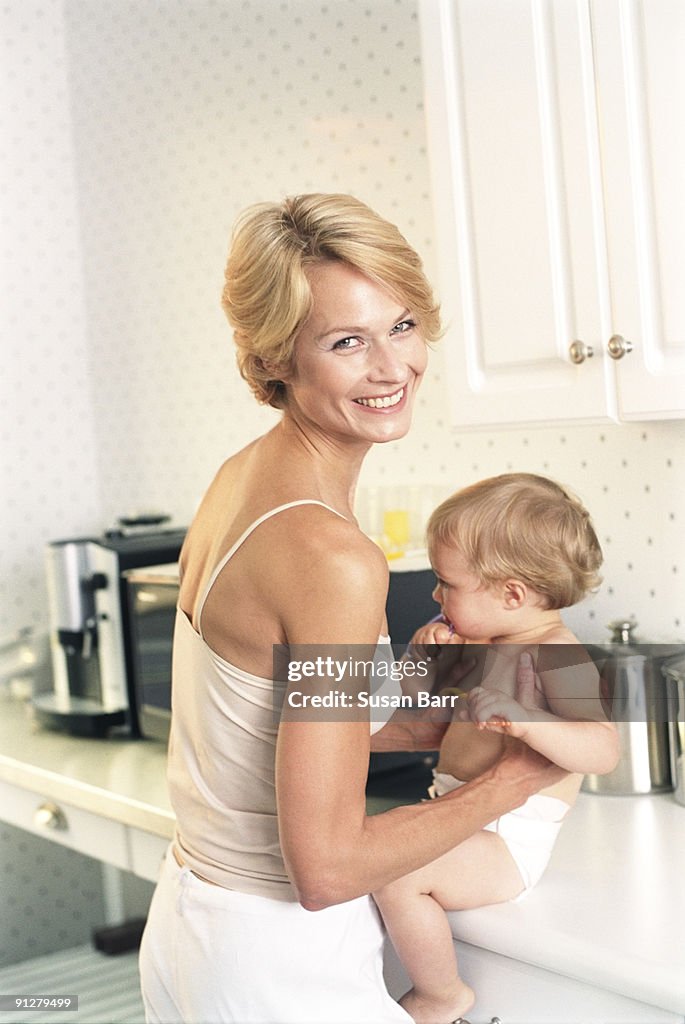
443	1010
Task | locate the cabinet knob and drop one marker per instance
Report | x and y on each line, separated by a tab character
579	352
618	346
49	815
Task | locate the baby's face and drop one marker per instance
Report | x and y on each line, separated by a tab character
474	609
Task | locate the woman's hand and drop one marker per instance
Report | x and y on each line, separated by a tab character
529	692
494	710
519	764
524	770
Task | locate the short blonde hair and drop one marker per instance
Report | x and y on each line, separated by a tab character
267	297
526	527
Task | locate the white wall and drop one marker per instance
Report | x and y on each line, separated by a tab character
48	454
138	129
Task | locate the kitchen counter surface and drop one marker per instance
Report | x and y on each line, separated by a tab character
117	778
610	910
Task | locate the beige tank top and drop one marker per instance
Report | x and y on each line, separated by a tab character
221	767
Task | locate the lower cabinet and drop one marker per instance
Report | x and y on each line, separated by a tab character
518	993
146	853
106	840
59	822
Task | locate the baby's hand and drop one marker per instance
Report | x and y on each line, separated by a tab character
495	711
427	640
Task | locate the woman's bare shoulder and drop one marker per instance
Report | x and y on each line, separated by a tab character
327	538
333	579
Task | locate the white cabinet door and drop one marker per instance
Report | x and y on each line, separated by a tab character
557	154
146	853
510	106
640	67
519	993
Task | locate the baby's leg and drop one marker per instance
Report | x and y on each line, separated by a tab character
477	872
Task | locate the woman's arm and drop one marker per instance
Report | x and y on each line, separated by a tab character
333	851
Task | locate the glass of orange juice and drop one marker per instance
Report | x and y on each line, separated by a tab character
396	531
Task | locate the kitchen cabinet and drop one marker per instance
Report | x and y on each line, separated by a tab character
557	147
146	852
65	824
92	834
519	993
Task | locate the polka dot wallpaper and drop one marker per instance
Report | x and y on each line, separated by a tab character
137	130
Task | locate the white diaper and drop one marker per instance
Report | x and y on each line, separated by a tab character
529	832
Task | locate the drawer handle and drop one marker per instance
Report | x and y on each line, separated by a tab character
50	816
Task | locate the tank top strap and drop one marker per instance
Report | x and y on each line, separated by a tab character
241	540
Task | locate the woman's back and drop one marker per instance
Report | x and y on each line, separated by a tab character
246	610
223	737
221	770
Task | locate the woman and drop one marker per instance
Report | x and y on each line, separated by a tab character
331	315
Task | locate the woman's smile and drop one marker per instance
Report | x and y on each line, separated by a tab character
382	401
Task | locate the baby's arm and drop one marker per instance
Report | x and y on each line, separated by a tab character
571	730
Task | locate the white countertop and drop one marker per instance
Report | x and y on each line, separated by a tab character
118	778
610	911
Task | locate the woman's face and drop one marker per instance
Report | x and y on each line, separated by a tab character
358	359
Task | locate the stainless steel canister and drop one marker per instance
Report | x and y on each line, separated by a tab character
632	679
674	674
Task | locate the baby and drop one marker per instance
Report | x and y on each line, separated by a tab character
508	553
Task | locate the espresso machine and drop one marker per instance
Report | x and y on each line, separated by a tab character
89	627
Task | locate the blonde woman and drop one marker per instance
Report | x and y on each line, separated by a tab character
262	912
508	552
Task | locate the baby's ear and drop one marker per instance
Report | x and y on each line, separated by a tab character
515	593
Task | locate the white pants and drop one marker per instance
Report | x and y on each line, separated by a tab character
211	955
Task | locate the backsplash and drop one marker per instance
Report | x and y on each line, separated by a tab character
630	477
137	132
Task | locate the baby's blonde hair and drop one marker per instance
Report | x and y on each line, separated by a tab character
267	297
526	527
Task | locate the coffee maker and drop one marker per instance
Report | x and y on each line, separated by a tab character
89	627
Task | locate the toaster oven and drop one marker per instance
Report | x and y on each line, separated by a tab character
152	596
